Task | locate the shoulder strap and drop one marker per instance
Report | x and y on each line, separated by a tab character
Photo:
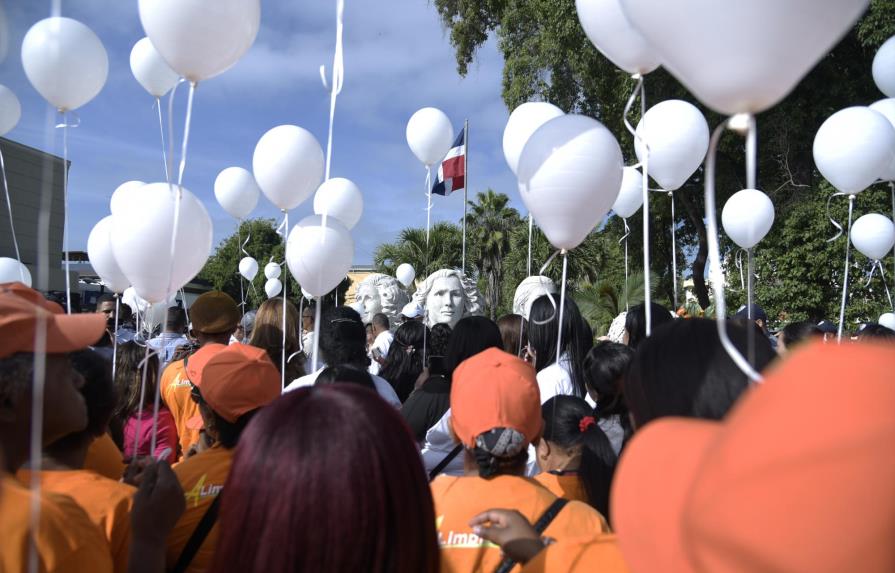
540	525
198	537
445	461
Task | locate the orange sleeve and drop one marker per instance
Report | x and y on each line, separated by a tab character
104	458
579	556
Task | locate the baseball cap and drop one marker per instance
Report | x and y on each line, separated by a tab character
827	327
412	310
758	313
238	379
798	477
20	309
214	312
195	363
494	390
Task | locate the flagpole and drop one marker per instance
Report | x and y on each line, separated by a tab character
465	186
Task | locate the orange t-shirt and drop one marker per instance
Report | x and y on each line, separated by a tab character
567	486
104	457
459	499
580	556
176	394
202	478
66	539
107	503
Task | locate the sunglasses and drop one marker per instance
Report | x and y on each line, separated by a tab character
196	395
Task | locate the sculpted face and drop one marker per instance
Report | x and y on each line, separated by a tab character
368	296
445	301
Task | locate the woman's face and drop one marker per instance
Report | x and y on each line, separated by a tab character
445	301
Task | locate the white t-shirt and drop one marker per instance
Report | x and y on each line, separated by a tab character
382	386
556	380
382	343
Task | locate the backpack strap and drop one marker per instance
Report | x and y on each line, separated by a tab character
445	461
540	525
198	537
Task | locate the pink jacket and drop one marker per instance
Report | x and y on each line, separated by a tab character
166	436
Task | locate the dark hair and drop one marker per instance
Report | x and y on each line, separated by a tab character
513	333
682	370
471	335
175	320
605	367
229	433
343	338
339	464
345	374
874	331
439	339
129	379
576	337
404	362
381	320
104	298
635	321
99	395
798	332
564	418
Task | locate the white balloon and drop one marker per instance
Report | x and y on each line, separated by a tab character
318	256
524	121
141	240
151	70
884	67
288	165
747	217
887	108
272	271
340	198
248	268
609	30
853	148
873	235
237	191
201	39
570	173
430	135
102	259
306	294
405	274
10	110
65	62
713	49
630	195
124	193
678	138
12	271
887	319
273	287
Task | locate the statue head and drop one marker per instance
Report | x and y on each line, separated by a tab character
528	291
380	293
448	295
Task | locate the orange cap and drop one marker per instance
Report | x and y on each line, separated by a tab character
798	477
195	363
20	309
238	379
494	389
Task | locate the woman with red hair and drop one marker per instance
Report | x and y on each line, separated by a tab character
327	478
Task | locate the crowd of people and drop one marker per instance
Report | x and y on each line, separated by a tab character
221	443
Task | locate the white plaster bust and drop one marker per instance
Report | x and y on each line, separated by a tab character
381	293
448	295
528	291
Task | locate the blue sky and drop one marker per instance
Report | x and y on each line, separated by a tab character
397	60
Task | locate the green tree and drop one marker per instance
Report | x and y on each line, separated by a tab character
489	223
444	251
546	56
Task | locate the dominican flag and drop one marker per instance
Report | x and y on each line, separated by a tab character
451	173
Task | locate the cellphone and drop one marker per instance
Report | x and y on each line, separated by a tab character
377	354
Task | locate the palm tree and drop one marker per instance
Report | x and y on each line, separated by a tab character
601	302
489	223
445	247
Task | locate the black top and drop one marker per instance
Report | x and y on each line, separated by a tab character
426	405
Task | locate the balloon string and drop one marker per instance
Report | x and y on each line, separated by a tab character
242	296
337	80
64	125
674	251
285	301
301	323
832	220
548	293
316	346
143	366
12	226
716	273
531	224
892	189
562	304
115	336
625	239
851	205
186	132
882	276
186	310
739	264
161	128
640	89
